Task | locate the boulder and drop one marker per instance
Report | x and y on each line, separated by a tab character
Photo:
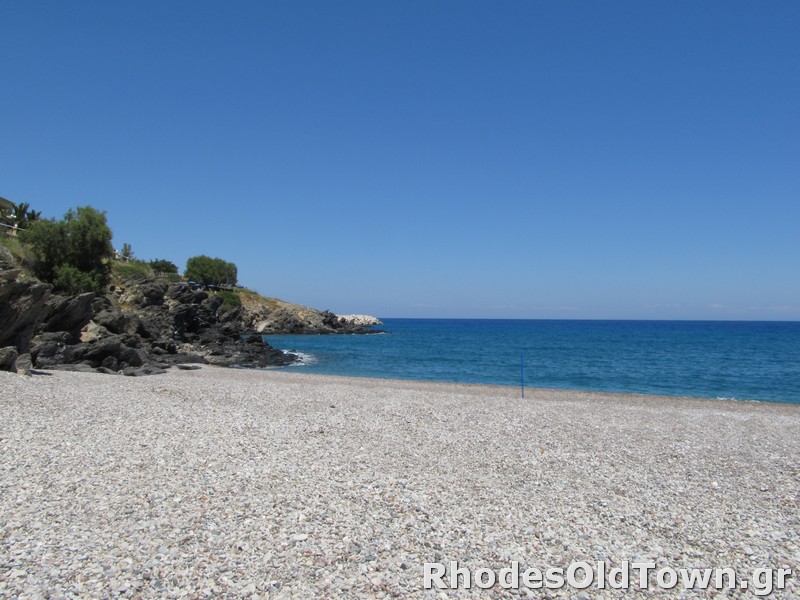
251	352
139	371
149	294
77	367
99	350
113	319
92	332
185	318
24	308
50	348
7	260
8	359
70	313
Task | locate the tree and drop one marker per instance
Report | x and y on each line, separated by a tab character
20	216
161	265
127	252
210	271
75	253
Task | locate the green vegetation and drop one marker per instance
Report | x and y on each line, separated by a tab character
210	271
170	277
230	300
134	269
18	249
20	216
72	281
160	265
75	253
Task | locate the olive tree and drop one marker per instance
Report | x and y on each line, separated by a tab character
210	271
74	253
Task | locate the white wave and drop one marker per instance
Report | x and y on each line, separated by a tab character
304	359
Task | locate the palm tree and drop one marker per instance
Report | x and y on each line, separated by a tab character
20	216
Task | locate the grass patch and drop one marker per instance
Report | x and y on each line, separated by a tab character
230	299
135	269
170	277
21	252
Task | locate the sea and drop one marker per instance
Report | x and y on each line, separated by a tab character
756	361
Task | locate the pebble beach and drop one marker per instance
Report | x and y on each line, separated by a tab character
232	483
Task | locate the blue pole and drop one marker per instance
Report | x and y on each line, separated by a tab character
522	374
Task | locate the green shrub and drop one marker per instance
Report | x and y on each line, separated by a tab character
210	271
13	245
80	241
72	281
230	299
161	265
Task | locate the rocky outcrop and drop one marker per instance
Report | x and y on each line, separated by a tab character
360	319
144	327
164	326
24	308
294	319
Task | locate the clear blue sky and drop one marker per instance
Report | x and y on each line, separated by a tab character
558	159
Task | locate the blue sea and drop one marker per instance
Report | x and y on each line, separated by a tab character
706	359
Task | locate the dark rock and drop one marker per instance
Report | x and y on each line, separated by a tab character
166	346
50	348
252	352
78	367
112	319
150	294
185	318
24	308
330	320
61	337
188	367
132	356
70	313
131	340
174	359
111	363
8	359
171	325
100	350
212	335
212	303
145	370
232	315
183	294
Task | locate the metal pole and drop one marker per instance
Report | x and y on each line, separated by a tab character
522	374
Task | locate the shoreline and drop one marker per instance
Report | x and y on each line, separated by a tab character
226	482
528	389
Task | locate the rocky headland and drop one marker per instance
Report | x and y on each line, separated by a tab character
361	319
142	327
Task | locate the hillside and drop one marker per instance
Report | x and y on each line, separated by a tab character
143	323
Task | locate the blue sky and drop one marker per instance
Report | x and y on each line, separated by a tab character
427	159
